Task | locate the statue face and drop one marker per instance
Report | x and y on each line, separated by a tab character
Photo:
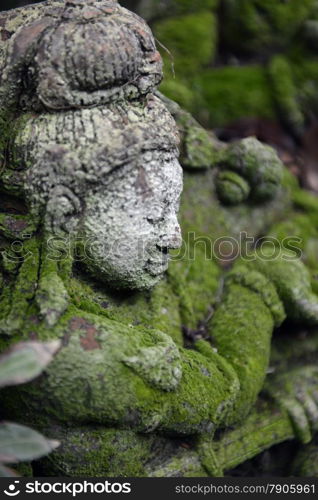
129	226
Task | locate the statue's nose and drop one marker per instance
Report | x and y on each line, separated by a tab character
171	234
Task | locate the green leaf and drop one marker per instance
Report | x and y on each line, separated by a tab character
19	443
25	361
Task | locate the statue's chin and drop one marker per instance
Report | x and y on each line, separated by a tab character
137	285
140	283
135	281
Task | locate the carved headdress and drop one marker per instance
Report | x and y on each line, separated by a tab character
81	53
86	70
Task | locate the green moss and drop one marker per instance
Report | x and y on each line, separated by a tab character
310	259
255	26
183	464
285	94
244	28
183	6
23	291
195	280
305	73
299	234
241	329
290	182
234	92
208	457
199	148
199	192
296	231
305	200
160	309
258	283
120	453
154	9
109	392
288	17
14	227
191	40
178	91
206	223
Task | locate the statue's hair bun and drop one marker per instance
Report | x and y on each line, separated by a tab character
89	53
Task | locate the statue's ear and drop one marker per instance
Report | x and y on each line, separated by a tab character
62	211
54	185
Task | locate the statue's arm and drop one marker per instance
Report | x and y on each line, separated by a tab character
121	375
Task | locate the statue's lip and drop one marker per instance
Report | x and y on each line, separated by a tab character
156	267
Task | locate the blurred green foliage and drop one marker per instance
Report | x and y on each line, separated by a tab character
230	59
18	443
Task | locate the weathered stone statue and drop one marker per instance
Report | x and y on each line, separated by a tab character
153	361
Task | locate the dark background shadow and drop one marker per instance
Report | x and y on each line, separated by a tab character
12	4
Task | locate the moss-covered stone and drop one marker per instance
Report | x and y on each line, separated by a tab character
291	279
97	323
257	163
299	234
120	452
258	283
231	188
262	428
295	392
179	91
249	355
199	148
105	331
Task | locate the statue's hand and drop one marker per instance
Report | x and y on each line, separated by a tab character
296	392
159	365
248	169
292	281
